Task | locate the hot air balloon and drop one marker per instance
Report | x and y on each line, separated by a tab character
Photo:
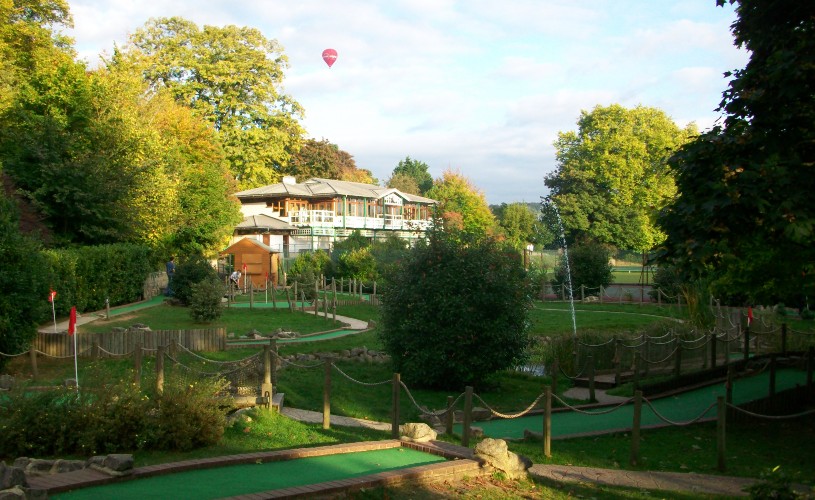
329	56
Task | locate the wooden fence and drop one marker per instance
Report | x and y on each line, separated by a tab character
124	342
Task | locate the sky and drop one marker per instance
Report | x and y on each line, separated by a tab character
474	86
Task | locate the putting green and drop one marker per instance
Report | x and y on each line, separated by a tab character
234	480
679	408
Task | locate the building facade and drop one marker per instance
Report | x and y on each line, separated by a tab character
291	217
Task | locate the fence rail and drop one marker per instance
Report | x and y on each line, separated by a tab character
123	342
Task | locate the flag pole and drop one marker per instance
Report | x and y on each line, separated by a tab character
76	363
72	333
54	313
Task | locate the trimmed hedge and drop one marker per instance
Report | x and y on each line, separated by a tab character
85	276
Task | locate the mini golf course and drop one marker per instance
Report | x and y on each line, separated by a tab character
260	475
679	408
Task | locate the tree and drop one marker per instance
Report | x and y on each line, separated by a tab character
744	215
461	205
454	311
324	160
589	266
521	225
417	170
404	183
612	177
232	77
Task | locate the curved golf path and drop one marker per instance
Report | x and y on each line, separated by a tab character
273	476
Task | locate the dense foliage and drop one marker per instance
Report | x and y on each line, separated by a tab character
612	177
589	264
87	276
455	311
462	208
117	417
325	160
411	170
190	271
23	284
205	300
744	216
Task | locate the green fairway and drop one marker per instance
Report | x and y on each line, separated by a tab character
678	408
243	479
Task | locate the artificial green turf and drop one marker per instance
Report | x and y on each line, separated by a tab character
310	338
680	408
234	480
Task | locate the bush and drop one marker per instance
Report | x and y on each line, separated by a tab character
589	263
455	311
112	418
190	271
206	304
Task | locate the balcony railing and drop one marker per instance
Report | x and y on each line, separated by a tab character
327	218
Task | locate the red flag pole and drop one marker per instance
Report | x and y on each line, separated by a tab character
51	296
71	332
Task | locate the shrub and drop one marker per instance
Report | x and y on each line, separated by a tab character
205	303
455	311
189	416
589	263
190	271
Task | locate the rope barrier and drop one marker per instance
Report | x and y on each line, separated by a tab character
576	376
599	412
771	417
678	424
595	345
423	410
661	361
248	358
515	415
13	355
116	354
352	379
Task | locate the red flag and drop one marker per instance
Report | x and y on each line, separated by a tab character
52	295
244	269
72	322
749	315
267	276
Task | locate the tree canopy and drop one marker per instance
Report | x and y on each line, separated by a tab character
744	217
521	224
415	169
232	77
325	160
461	205
612	176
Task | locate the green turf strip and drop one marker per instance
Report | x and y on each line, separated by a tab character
680	409
243	479
310	338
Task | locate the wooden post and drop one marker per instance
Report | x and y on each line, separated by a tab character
582	293
373	297
635	429
773	369
266	387
316	296
32	354
592	398
396	390
138	356
288	299
274	354
327	395
547	422
602	292
468	416
325	305
448	417
274	296
95	352
646	347
160	369
334	290
295	292
251	295
721	428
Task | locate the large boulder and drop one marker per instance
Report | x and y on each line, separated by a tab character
417	432
495	454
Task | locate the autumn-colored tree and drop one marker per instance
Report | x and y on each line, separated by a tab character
461	205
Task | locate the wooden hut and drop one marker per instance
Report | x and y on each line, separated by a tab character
257	260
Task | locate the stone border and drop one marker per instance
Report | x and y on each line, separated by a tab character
460	462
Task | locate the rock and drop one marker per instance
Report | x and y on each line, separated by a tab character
496	454
140	326
119	462
476	432
21	462
39	467
11	477
61	466
6	382
417	432
14	493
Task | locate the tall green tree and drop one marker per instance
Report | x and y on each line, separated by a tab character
455	311
232	76
417	170
744	216
461	206
612	176
521	225
404	183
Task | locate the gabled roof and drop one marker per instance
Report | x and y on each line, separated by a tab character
253	241
261	221
320	188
